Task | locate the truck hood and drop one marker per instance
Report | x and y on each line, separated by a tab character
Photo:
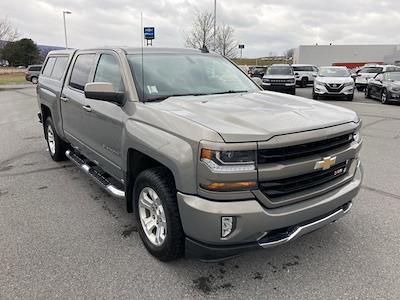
256	116
339	80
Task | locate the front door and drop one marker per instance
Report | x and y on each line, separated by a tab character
104	120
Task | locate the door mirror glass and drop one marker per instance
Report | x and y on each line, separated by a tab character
103	91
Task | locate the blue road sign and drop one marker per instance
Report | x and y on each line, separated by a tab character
149	33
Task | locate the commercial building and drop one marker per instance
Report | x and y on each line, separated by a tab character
347	55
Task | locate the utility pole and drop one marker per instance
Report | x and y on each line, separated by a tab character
66	12
215	23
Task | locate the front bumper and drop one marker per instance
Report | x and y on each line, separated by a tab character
258	227
323	91
279	88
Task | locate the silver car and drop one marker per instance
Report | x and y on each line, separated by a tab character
333	81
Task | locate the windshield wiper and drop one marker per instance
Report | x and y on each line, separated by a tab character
228	92
175	95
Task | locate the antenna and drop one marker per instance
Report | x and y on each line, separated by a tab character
141	39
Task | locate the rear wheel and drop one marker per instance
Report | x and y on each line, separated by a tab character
157	214
55	144
367	92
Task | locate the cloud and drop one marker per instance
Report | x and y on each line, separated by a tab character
264	26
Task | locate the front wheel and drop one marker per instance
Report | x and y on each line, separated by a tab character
304	82
314	95
350	97
385	96
367	93
157	214
360	88
55	144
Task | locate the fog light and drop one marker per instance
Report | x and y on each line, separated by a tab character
226	226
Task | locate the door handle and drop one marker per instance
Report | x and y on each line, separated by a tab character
65	99
87	108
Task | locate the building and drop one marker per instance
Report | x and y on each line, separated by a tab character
351	56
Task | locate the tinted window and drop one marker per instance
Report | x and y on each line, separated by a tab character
81	71
392	76
108	71
280	70
35	69
59	67
49	66
333	72
303	69
371	70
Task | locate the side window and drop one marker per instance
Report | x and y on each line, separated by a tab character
49	66
35	69
59	67
310	69
315	69
108	71
81	71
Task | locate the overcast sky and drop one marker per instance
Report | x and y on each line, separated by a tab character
264	26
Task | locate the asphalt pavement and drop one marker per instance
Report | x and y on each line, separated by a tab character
61	236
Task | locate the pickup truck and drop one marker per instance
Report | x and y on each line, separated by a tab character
209	163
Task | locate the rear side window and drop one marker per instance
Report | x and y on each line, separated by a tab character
81	71
59	67
49	66
108	71
35	69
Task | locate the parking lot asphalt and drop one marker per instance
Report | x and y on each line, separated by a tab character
61	236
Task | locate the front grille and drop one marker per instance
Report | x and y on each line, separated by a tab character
280	81
334	87
272	155
283	187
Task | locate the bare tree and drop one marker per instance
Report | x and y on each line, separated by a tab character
7	31
226	44
201	33
289	53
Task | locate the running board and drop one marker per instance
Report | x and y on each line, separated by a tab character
102	181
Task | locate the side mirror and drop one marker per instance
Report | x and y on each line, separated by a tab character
257	80
354	75
103	91
314	75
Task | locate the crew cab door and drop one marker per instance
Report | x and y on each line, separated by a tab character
73	98
103	119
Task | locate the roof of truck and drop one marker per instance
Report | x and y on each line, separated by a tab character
134	50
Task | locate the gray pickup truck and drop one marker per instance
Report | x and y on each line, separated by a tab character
210	164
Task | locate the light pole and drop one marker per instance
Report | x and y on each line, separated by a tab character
215	22
66	12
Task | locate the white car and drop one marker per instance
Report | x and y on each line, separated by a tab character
304	74
370	71
333	81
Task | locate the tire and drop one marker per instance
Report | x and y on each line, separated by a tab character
350	97
314	95
55	144
163	209
367	92
385	96
34	80
304	82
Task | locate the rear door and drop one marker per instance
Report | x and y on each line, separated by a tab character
73	98
104	120
376	85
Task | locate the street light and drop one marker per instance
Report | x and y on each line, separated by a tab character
215	22
66	12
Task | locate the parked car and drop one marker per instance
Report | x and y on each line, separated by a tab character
370	71
192	145
279	78
384	87
304	74
32	73
257	72
333	81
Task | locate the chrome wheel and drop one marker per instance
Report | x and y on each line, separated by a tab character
152	216
34	80
384	97
50	140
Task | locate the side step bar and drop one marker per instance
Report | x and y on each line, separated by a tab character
94	174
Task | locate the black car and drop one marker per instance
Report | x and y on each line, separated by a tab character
257	72
384	87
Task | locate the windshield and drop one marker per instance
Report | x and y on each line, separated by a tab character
371	70
392	76
333	72
167	75
280	70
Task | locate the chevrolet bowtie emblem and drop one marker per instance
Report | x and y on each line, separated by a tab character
326	163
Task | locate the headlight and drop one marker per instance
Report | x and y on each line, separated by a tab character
349	83
318	82
229	161
357	136
395	88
